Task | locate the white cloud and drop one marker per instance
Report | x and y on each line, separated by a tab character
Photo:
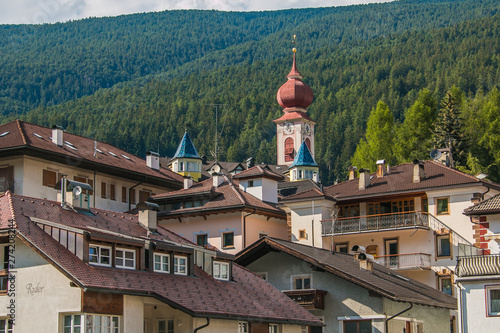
48	11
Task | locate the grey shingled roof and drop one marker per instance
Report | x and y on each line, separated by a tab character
488	206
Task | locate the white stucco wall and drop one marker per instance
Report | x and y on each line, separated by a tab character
307	215
474	307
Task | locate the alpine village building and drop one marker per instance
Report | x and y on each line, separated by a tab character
375	243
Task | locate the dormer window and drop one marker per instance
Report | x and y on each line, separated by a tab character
100	255
125	258
221	270
250	183
180	265
162	263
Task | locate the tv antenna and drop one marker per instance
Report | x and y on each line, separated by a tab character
216	150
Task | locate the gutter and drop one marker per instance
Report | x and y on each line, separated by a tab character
245	227
477	278
386	329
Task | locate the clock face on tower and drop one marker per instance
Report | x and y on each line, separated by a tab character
288	128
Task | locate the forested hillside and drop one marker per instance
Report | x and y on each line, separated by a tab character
166	69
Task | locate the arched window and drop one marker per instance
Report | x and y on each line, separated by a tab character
308	144
289	151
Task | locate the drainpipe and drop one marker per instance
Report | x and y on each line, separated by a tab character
397	314
202	326
129	192
245	227
312	223
95	186
462	310
482	194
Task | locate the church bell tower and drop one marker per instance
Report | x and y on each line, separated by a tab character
295	126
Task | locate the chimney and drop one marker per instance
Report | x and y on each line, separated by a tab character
353	172
218	179
381	168
188	182
250	162
418	171
57	135
315	177
148	214
153	160
364	179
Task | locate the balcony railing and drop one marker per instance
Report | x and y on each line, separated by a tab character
478	265
370	223
405	261
309	298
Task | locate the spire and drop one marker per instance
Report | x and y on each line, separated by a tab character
303	157
186	148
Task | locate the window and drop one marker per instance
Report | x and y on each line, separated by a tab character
100	323
166	326
162	263
112	191
493	296
425	205
221	271
7	327
250	183
349	210
342	248
103	190
273	328
301	282
228	239
132	195
125	258
302	234
403	206
124	194
202	239
243	327
357	326
445	284
180	265
100	255
91	324
49	178
144	195
442	206
443	245
289	151
87	181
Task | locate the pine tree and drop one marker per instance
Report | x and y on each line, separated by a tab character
448	129
379	139
414	136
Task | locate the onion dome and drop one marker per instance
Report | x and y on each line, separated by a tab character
294	93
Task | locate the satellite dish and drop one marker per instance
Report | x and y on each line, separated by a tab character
216	168
435	154
77	191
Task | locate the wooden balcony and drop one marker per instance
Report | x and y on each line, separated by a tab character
370	223
406	261
310	299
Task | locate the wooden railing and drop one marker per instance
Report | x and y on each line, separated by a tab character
405	261
309	298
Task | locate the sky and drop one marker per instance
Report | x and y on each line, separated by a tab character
50	11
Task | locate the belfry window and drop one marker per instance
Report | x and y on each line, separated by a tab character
289	151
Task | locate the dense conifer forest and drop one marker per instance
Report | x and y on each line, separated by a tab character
383	76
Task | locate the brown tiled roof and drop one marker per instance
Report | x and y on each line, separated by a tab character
382	281
400	180
248	297
313	193
36	139
226	196
488	206
258	171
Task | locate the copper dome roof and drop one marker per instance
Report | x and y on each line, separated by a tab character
294	93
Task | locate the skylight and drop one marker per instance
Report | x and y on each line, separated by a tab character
99	151
128	158
38	136
4	134
112	154
69	143
71	147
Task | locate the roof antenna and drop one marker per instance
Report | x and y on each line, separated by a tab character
215	153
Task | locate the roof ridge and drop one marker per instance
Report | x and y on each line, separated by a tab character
238	194
454	170
23	136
